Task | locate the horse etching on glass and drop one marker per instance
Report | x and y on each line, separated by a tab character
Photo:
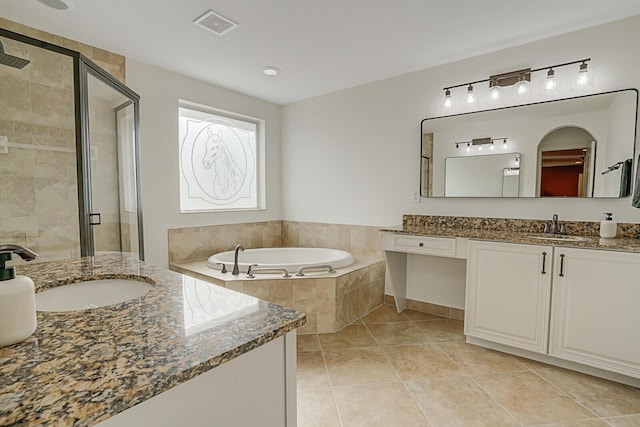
228	176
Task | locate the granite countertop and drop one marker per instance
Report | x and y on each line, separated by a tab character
628	244
82	367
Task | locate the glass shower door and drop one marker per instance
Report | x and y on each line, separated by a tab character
113	213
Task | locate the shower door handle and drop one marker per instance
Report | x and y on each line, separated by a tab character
95	219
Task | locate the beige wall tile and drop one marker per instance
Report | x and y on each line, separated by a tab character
47	68
52	106
15	102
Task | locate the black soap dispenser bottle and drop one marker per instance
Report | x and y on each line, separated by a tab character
17	298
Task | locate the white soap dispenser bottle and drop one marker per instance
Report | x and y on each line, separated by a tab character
608	227
17	298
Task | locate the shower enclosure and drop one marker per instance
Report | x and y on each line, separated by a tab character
69	158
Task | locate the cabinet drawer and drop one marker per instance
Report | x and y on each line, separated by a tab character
422	245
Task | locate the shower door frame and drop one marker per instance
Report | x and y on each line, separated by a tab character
82	67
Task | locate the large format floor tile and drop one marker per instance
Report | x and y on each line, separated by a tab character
452	402
530	399
381	404
414	369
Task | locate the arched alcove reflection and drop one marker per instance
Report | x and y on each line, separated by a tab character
566	159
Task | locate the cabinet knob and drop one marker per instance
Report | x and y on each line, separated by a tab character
421	244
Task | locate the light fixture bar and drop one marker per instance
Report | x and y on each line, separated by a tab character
479	141
518	73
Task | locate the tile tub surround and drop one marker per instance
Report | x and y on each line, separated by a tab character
83	367
196	243
330	301
518	231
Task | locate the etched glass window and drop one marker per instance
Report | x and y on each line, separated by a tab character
219	154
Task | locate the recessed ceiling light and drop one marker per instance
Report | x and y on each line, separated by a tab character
58	4
271	70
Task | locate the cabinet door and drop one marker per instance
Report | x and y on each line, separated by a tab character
508	294
596	309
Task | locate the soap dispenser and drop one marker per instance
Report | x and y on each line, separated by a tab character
17	298
608	227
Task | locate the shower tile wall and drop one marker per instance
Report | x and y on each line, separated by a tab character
38	193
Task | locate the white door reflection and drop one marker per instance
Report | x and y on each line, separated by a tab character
207	305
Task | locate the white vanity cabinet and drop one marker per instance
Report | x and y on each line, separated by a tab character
508	294
596	309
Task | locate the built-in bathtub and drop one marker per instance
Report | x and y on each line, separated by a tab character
290	259
331	300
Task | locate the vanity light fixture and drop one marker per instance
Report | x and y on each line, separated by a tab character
551	82
521	88
480	142
471	97
448	102
583	80
520	79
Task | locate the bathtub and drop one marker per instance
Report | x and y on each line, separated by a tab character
290	259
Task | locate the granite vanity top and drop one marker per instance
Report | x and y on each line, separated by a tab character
82	367
517	231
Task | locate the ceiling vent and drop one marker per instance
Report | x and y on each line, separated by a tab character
215	22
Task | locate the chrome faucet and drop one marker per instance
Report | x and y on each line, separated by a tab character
24	253
554	224
236	270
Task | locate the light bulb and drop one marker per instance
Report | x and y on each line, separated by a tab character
448	102
492	146
495	94
479	147
551	82
468	147
521	89
471	97
504	144
583	79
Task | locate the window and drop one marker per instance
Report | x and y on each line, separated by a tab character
221	160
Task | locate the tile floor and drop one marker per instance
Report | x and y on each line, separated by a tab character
414	369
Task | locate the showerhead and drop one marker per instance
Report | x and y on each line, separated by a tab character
10	60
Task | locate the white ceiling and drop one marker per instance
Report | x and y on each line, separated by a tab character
321	46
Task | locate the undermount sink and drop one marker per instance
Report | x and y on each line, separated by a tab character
90	294
561	238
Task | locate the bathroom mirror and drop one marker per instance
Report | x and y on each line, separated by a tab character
573	147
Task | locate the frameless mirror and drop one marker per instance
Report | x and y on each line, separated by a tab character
573	147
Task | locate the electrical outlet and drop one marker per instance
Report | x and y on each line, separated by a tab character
415	197
4	145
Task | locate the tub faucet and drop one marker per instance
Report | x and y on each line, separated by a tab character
236	270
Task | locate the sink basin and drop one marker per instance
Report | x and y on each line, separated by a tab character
90	294
561	238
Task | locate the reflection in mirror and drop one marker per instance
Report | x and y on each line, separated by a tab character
574	147
480	176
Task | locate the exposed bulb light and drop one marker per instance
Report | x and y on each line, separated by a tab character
492	146
583	80
551	82
495	94
521	89
471	97
270	70
468	147
479	147
504	144
448	102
